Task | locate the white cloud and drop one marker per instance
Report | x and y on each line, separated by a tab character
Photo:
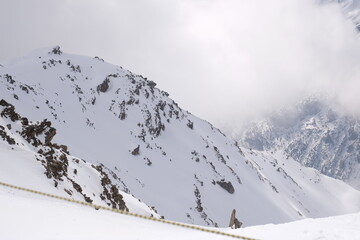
226	61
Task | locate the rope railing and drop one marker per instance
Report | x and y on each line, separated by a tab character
198	228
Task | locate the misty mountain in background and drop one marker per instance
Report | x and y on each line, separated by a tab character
86	129
351	9
315	134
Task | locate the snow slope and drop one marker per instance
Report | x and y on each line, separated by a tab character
25	216
345	227
33	164
152	149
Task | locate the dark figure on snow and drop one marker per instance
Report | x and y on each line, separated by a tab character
234	222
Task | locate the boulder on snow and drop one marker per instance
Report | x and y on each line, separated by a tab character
226	185
104	86
136	151
56	50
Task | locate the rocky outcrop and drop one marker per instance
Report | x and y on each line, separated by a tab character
110	192
226	185
104	86
30	132
5	136
56	50
136	151
55	157
8	111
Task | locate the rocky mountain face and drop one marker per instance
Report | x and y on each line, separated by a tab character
64	173
314	134
131	141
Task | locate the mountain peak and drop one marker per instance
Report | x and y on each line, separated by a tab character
45	51
152	149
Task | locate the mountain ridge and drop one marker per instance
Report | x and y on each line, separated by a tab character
152	149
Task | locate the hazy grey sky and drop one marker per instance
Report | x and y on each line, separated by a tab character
223	60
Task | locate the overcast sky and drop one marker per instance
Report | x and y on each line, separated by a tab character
224	60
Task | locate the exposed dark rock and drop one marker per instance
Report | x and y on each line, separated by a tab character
9	79
198	207
4	103
239	149
53	157
234	222
151	84
93	101
142	135
147	94
165	93
110	191
226	185
104	86
24	121
219	155
63	157
6	137
64	148
24	88
68	191
156	128
190	124
9	111
56	50
136	151
122	114
55	168
31	131
78	188
148	162
49	135
100	59
137	89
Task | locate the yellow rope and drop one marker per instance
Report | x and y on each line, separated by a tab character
127	213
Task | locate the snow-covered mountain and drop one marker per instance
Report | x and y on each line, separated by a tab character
314	134
144	145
